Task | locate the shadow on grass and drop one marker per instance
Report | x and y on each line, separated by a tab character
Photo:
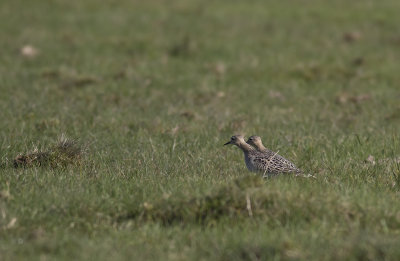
253	198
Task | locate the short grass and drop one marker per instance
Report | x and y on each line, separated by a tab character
148	91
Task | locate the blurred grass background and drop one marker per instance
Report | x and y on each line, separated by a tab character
152	89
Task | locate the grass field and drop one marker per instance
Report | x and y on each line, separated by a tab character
150	90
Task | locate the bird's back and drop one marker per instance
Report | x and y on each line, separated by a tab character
269	162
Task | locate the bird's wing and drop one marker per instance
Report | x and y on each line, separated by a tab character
274	162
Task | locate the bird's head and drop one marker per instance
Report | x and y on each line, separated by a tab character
236	140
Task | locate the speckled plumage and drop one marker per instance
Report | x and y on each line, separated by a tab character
251	156
266	162
273	162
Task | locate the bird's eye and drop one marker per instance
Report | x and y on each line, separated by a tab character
233	137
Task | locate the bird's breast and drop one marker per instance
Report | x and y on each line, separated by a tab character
249	163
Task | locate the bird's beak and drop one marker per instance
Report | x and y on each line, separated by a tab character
229	142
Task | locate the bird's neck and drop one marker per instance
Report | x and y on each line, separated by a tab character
261	147
245	147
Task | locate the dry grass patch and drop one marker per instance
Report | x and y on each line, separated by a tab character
63	153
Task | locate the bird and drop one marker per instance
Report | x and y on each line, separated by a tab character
276	163
255	160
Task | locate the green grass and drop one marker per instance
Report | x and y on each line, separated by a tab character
150	90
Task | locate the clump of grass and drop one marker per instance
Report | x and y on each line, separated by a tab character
396	176
69	78
182	48
63	153
35	158
78	82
